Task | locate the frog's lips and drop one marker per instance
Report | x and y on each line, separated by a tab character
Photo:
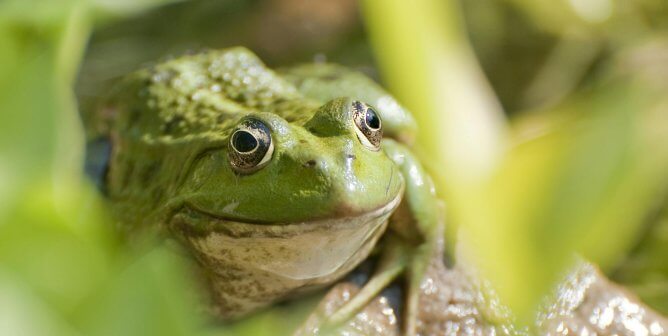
236	227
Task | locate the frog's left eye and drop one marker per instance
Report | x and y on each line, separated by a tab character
250	146
368	126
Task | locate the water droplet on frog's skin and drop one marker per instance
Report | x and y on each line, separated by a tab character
200	80
162	76
196	96
176	82
230	207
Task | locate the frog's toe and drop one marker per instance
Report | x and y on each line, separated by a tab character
423	256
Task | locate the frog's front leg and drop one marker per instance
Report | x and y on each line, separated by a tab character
419	221
415	237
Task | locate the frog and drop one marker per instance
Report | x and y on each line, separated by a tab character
277	183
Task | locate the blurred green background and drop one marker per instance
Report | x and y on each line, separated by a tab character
544	124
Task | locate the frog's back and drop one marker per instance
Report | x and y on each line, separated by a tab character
200	93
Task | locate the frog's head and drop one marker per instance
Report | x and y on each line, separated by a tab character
272	171
294	204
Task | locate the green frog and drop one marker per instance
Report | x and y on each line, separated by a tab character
278	183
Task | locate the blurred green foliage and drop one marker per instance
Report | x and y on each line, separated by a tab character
579	173
645	269
62	271
561	152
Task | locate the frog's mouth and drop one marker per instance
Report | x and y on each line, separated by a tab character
236	227
304	251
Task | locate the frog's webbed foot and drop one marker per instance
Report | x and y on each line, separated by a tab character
393	262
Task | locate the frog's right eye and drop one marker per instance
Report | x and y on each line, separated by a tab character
250	146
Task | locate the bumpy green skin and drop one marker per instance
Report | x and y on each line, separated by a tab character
329	81
301	222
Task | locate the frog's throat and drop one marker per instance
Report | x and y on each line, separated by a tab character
310	252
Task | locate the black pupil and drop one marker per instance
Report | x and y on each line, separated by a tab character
372	119
244	141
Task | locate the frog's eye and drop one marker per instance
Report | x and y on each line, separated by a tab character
368	126
250	146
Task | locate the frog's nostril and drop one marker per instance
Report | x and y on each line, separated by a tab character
310	164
